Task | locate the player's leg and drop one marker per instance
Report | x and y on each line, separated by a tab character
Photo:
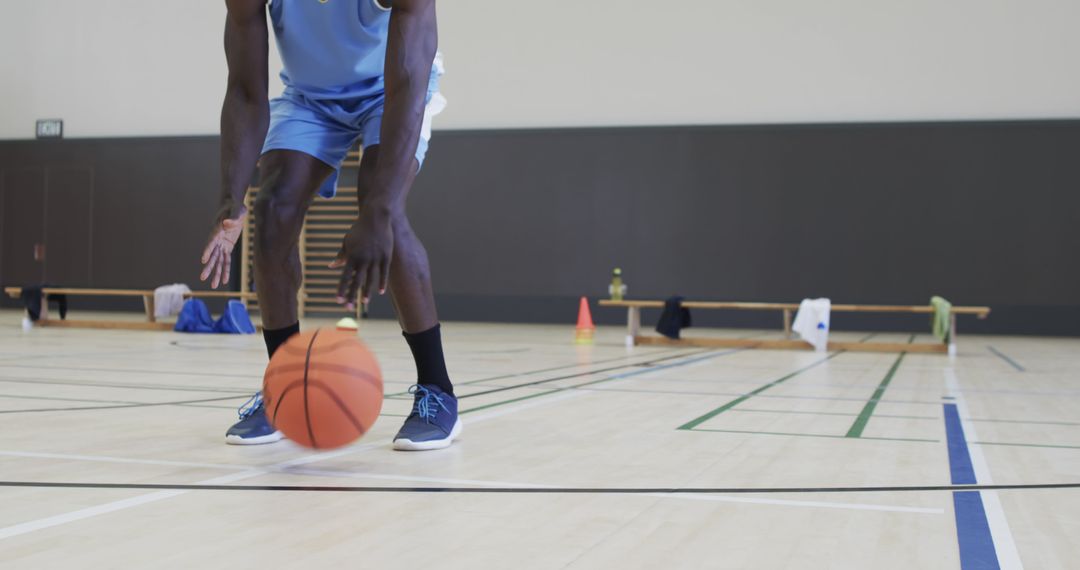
289	182
433	423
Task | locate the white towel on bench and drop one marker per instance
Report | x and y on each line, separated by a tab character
812	322
169	299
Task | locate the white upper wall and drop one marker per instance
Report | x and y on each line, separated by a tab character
155	67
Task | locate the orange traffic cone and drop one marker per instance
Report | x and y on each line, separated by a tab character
585	326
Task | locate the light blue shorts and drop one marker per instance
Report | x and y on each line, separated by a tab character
327	129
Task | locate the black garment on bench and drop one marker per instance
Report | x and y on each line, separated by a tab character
31	298
674	318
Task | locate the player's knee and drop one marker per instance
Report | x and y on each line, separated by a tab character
277	210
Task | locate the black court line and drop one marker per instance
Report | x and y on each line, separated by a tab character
554	368
773	396
504	351
543	490
57	399
645	364
122	386
127	370
1006	359
188	345
121	406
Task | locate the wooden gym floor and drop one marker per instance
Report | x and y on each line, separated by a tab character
112	455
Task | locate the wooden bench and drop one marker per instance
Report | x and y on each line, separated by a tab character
147	296
634	336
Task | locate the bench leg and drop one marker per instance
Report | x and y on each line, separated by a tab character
148	304
633	325
787	323
952	335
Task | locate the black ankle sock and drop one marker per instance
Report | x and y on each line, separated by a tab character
277	337
430	365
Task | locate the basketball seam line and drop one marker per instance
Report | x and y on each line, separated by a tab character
341	406
330	348
281	398
307	416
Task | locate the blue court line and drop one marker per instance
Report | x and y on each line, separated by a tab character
1004	357
977	550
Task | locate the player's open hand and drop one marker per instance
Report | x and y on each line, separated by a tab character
365	257
217	257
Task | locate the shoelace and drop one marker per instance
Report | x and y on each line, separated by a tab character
428	404
251	406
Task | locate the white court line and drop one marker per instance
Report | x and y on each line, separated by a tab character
81	514
285	468
378	476
683	496
110	459
414	478
1004	544
56	520
792	503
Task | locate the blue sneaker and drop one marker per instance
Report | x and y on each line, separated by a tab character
253	427
433	423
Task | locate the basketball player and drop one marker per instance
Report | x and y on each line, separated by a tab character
353	69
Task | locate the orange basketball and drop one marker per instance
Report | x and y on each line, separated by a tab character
323	389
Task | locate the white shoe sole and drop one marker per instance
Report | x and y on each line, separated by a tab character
410	445
269	438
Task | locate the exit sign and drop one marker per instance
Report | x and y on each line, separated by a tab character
50	129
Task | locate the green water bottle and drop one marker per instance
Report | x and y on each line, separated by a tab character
617	289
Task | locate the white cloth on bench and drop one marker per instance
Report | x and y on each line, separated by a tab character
812	322
169	299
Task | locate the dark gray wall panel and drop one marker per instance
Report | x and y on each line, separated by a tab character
520	223
149	213
982	213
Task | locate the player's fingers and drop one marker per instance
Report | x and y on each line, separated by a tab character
208	265
216	279
209	250
368	283
343	283
358	279
226	268
384	275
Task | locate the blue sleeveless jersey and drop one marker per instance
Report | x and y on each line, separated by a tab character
334	54
332	49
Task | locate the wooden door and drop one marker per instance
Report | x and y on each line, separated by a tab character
68	215
22	245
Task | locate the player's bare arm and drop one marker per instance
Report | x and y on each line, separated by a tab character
368	247
245	114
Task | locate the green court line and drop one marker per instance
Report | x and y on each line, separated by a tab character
818	435
1004	357
710	415
868	337
857	428
1011	444
812	413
